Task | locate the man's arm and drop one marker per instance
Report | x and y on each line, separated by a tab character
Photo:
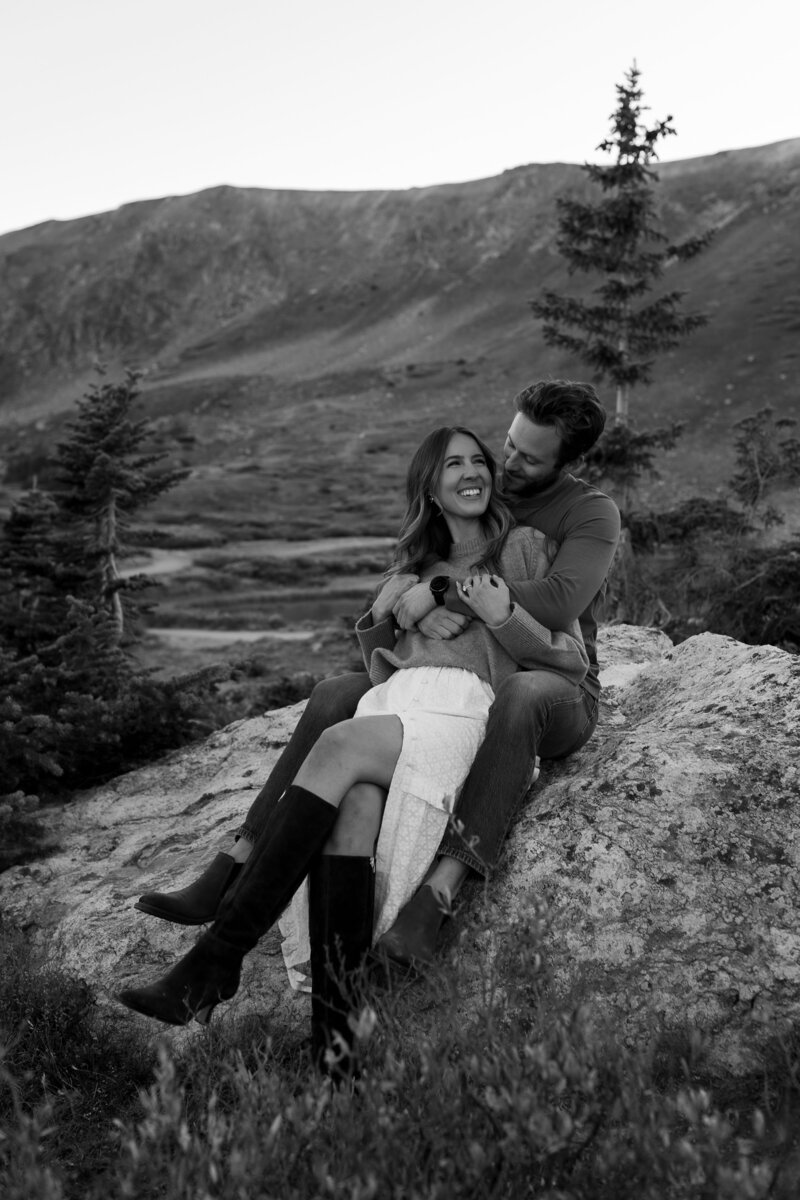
522	637
576	574
414	604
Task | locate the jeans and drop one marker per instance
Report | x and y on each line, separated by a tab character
534	712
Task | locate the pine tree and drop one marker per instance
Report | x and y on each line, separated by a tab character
105	477
31	591
619	238
73	705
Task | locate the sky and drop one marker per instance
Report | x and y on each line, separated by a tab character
105	102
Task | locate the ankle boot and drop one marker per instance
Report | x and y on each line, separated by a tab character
341	898
197	903
272	874
411	941
192	988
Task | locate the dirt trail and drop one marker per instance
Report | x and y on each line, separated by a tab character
170	562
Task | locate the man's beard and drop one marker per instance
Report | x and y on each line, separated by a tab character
520	487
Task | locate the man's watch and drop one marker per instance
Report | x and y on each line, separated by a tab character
439	585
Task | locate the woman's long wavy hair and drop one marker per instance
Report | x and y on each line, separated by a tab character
424	535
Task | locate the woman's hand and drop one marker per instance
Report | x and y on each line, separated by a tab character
413	605
488	597
390	593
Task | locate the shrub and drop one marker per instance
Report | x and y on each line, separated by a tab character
705	564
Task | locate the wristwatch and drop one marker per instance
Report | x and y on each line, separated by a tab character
439	586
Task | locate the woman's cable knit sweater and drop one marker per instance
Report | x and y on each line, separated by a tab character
492	652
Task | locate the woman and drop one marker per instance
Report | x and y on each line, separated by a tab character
414	736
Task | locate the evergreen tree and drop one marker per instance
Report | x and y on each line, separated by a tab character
73	705
105	476
619	238
31	592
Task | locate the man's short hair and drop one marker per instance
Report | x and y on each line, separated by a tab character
573	409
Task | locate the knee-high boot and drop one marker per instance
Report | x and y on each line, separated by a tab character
340	910
275	869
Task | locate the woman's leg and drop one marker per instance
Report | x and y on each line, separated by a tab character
358	823
332	700
341	900
366	748
363	750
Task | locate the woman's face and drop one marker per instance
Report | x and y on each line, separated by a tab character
465	483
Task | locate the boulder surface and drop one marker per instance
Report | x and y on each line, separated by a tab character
666	851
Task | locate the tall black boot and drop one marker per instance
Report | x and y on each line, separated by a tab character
341	898
197	903
275	869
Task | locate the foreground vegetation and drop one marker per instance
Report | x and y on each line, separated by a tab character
525	1096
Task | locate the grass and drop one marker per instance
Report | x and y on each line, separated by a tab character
63	1071
519	1095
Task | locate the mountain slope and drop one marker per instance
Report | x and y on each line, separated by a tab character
259	305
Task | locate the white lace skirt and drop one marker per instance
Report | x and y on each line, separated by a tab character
444	712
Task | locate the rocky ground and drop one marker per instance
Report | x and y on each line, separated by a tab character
666	852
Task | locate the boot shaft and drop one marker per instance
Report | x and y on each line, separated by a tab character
341	899
277	865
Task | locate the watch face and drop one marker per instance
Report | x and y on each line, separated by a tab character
439	585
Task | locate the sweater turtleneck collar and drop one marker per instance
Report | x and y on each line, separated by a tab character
472	546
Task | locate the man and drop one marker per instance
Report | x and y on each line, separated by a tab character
535	713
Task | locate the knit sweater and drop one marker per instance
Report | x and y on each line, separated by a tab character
492	652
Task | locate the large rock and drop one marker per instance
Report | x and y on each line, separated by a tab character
666	849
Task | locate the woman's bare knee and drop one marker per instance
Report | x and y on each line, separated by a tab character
363	750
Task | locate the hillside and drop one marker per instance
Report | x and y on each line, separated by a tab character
293	339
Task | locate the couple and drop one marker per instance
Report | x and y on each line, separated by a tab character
464	671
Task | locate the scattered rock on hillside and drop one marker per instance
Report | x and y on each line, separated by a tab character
666	850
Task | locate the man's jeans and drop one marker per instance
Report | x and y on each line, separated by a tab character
534	712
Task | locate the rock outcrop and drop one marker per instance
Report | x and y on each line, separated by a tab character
667	850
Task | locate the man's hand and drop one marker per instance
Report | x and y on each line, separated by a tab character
389	594
413	605
488	597
442	625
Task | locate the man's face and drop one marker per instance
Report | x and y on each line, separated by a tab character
530	453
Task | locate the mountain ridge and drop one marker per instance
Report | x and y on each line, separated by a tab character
268	301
